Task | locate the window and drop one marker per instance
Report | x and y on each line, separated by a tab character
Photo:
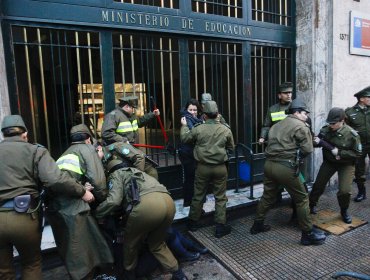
227	8
172	4
273	11
59	83
270	66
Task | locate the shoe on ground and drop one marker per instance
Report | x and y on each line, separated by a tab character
190	257
193	225
259	226
360	197
346	217
313	210
179	275
313	237
198	249
222	230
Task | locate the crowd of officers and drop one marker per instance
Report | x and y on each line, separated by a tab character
91	185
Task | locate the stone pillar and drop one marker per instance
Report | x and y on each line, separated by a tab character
4	93
314	64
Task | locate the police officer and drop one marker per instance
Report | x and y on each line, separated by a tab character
122	124
77	235
341	159
208	97
358	117
150	211
286	138
276	112
25	171
212	141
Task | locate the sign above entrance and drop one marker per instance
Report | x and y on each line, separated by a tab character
174	23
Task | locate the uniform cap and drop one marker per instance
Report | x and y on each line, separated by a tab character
13	121
130	100
286	87
113	163
206	97
79	129
298	104
210	107
335	115
363	93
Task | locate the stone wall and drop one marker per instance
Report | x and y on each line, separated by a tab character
4	95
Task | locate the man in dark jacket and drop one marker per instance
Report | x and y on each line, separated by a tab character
77	235
346	148
358	117
27	169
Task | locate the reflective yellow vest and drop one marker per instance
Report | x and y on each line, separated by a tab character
127	127
70	162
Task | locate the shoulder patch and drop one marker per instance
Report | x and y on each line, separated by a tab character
125	151
354	132
111	147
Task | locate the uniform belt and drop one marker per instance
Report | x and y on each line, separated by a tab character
8	204
287	162
211	164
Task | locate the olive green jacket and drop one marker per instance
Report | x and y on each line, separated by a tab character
119	182
91	168
211	141
117	116
286	137
346	139
25	167
359	119
270	120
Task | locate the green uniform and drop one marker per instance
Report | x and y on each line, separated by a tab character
348	143
134	157
359	119
211	142
274	114
147	222
285	138
25	169
71	219
118	127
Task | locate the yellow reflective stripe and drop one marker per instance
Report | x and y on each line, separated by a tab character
278	116
124	127
135	126
127	127
70	162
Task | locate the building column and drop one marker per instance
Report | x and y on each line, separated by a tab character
4	93
314	64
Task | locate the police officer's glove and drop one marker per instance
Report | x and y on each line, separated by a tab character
335	152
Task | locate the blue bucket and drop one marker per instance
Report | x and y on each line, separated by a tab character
244	171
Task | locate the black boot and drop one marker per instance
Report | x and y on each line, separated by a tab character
179	275
193	225
361	192
346	217
313	237
222	230
258	227
189	257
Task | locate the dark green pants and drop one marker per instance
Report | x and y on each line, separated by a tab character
345	177
360	176
276	175
147	224
22	232
217	176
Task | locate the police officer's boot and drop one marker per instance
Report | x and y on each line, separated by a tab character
179	275
361	192
313	237
313	209
258	227
222	230
346	217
